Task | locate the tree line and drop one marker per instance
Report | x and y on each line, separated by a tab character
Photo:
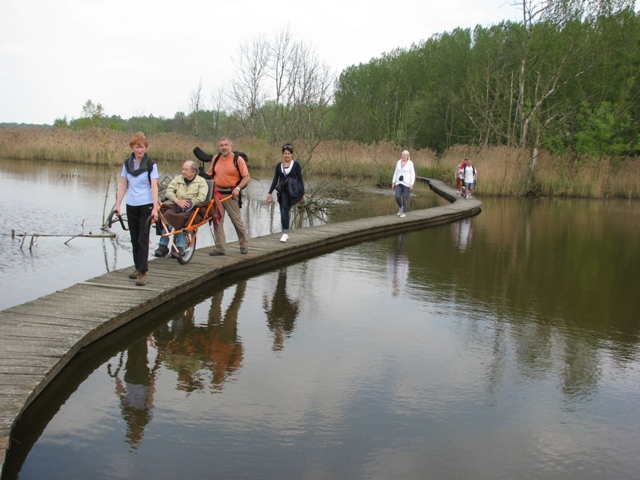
564	78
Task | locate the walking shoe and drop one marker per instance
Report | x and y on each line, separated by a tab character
399	212
161	251
142	279
284	237
177	253
244	250
215	253
403	215
134	275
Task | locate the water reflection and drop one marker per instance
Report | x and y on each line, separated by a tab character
398	265
281	311
402	356
135	387
462	233
203	353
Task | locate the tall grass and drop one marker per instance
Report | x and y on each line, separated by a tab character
501	170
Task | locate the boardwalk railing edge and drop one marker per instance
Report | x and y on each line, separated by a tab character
23	327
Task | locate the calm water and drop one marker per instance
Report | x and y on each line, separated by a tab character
501	346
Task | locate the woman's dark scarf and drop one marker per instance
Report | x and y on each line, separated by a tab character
142	168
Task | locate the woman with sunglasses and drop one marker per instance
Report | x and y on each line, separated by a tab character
287	181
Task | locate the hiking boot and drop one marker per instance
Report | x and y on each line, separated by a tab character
178	253
142	279
161	251
216	253
134	275
244	250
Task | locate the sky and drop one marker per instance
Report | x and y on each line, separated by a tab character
146	57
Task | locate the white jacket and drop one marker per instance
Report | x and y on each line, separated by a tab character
408	174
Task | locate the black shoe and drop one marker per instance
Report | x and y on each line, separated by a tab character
215	253
178	253
161	251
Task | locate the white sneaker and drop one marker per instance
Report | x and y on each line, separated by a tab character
399	212
284	237
402	215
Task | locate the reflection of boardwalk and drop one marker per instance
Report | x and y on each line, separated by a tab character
38	338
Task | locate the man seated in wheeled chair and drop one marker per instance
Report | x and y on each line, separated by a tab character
182	194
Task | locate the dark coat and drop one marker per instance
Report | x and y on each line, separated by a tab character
279	178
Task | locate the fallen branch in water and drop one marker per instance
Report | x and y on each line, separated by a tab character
34	236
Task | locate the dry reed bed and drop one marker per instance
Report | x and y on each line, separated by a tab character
501	170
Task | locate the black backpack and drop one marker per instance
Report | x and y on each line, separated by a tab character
206	157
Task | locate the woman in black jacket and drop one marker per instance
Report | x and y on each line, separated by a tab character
287	181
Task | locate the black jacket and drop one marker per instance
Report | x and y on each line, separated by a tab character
279	178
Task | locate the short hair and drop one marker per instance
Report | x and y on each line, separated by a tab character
406	152
192	164
226	138
139	139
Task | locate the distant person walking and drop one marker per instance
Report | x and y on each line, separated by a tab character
459	176
230	180
139	180
404	176
470	177
287	171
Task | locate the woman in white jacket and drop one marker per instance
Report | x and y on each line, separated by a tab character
404	177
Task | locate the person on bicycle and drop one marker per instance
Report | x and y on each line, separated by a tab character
182	193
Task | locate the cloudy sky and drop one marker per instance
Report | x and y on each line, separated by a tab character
142	57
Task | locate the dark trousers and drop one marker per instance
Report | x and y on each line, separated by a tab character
138	219
402	196
285	218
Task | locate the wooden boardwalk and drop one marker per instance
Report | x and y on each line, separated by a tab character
39	338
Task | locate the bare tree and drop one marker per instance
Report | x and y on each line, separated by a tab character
218	105
247	86
196	104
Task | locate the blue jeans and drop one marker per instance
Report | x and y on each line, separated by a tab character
285	219
178	239
402	197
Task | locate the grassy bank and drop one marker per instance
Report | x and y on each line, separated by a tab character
501	170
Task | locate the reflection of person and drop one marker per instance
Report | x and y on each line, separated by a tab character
398	265
470	176
136	391
139	180
282	312
230	180
404	176
184	191
462	230
459	176
193	348
287	170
